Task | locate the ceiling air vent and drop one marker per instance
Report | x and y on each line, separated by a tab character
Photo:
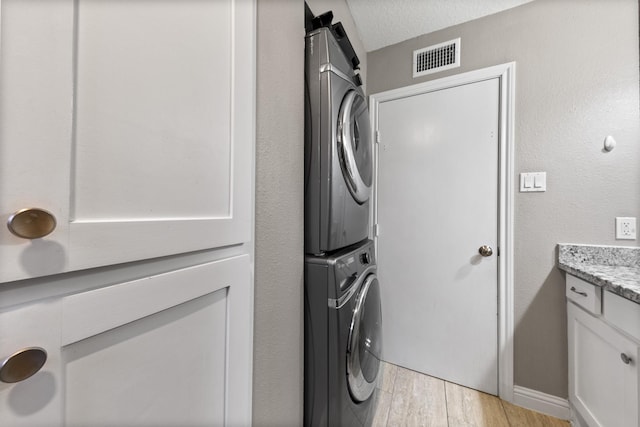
436	58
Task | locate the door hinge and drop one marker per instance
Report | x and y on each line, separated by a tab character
376	230
377	137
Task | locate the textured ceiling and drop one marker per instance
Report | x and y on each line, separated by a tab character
385	22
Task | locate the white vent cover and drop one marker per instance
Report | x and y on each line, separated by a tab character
438	57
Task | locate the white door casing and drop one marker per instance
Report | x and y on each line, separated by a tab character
130	123
503	75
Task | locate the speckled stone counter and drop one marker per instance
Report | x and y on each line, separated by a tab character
614	268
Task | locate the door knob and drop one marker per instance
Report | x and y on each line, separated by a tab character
22	364
31	223
625	359
485	250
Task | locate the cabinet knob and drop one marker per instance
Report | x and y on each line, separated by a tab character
625	359
22	364
31	223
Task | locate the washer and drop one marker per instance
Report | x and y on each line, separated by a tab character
338	151
343	337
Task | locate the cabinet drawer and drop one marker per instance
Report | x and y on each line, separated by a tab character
622	313
584	294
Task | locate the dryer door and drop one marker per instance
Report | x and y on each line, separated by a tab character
354	145
365	341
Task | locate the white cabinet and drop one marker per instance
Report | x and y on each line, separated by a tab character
168	349
132	123
604	379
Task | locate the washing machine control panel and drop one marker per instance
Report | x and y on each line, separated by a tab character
365	258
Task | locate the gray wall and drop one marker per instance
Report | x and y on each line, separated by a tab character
278	322
576	82
279	251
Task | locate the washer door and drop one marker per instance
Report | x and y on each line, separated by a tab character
354	145
365	341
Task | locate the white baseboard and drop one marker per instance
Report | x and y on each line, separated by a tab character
541	402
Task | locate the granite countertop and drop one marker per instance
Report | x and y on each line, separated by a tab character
614	268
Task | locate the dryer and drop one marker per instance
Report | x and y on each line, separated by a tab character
338	149
343	337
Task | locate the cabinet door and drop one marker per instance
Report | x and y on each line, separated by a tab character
131	123
602	386
168	350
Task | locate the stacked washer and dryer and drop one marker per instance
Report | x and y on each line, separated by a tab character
342	294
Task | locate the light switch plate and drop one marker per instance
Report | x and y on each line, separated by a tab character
625	228
533	181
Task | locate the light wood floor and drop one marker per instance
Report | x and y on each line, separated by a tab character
407	398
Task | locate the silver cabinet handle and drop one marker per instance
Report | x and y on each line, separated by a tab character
22	364
625	359
573	289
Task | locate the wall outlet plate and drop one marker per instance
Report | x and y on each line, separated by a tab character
625	228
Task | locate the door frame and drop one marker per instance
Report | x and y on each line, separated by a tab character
506	74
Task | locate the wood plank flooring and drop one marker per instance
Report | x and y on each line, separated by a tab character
408	398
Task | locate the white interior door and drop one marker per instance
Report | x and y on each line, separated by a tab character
437	204
130	122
